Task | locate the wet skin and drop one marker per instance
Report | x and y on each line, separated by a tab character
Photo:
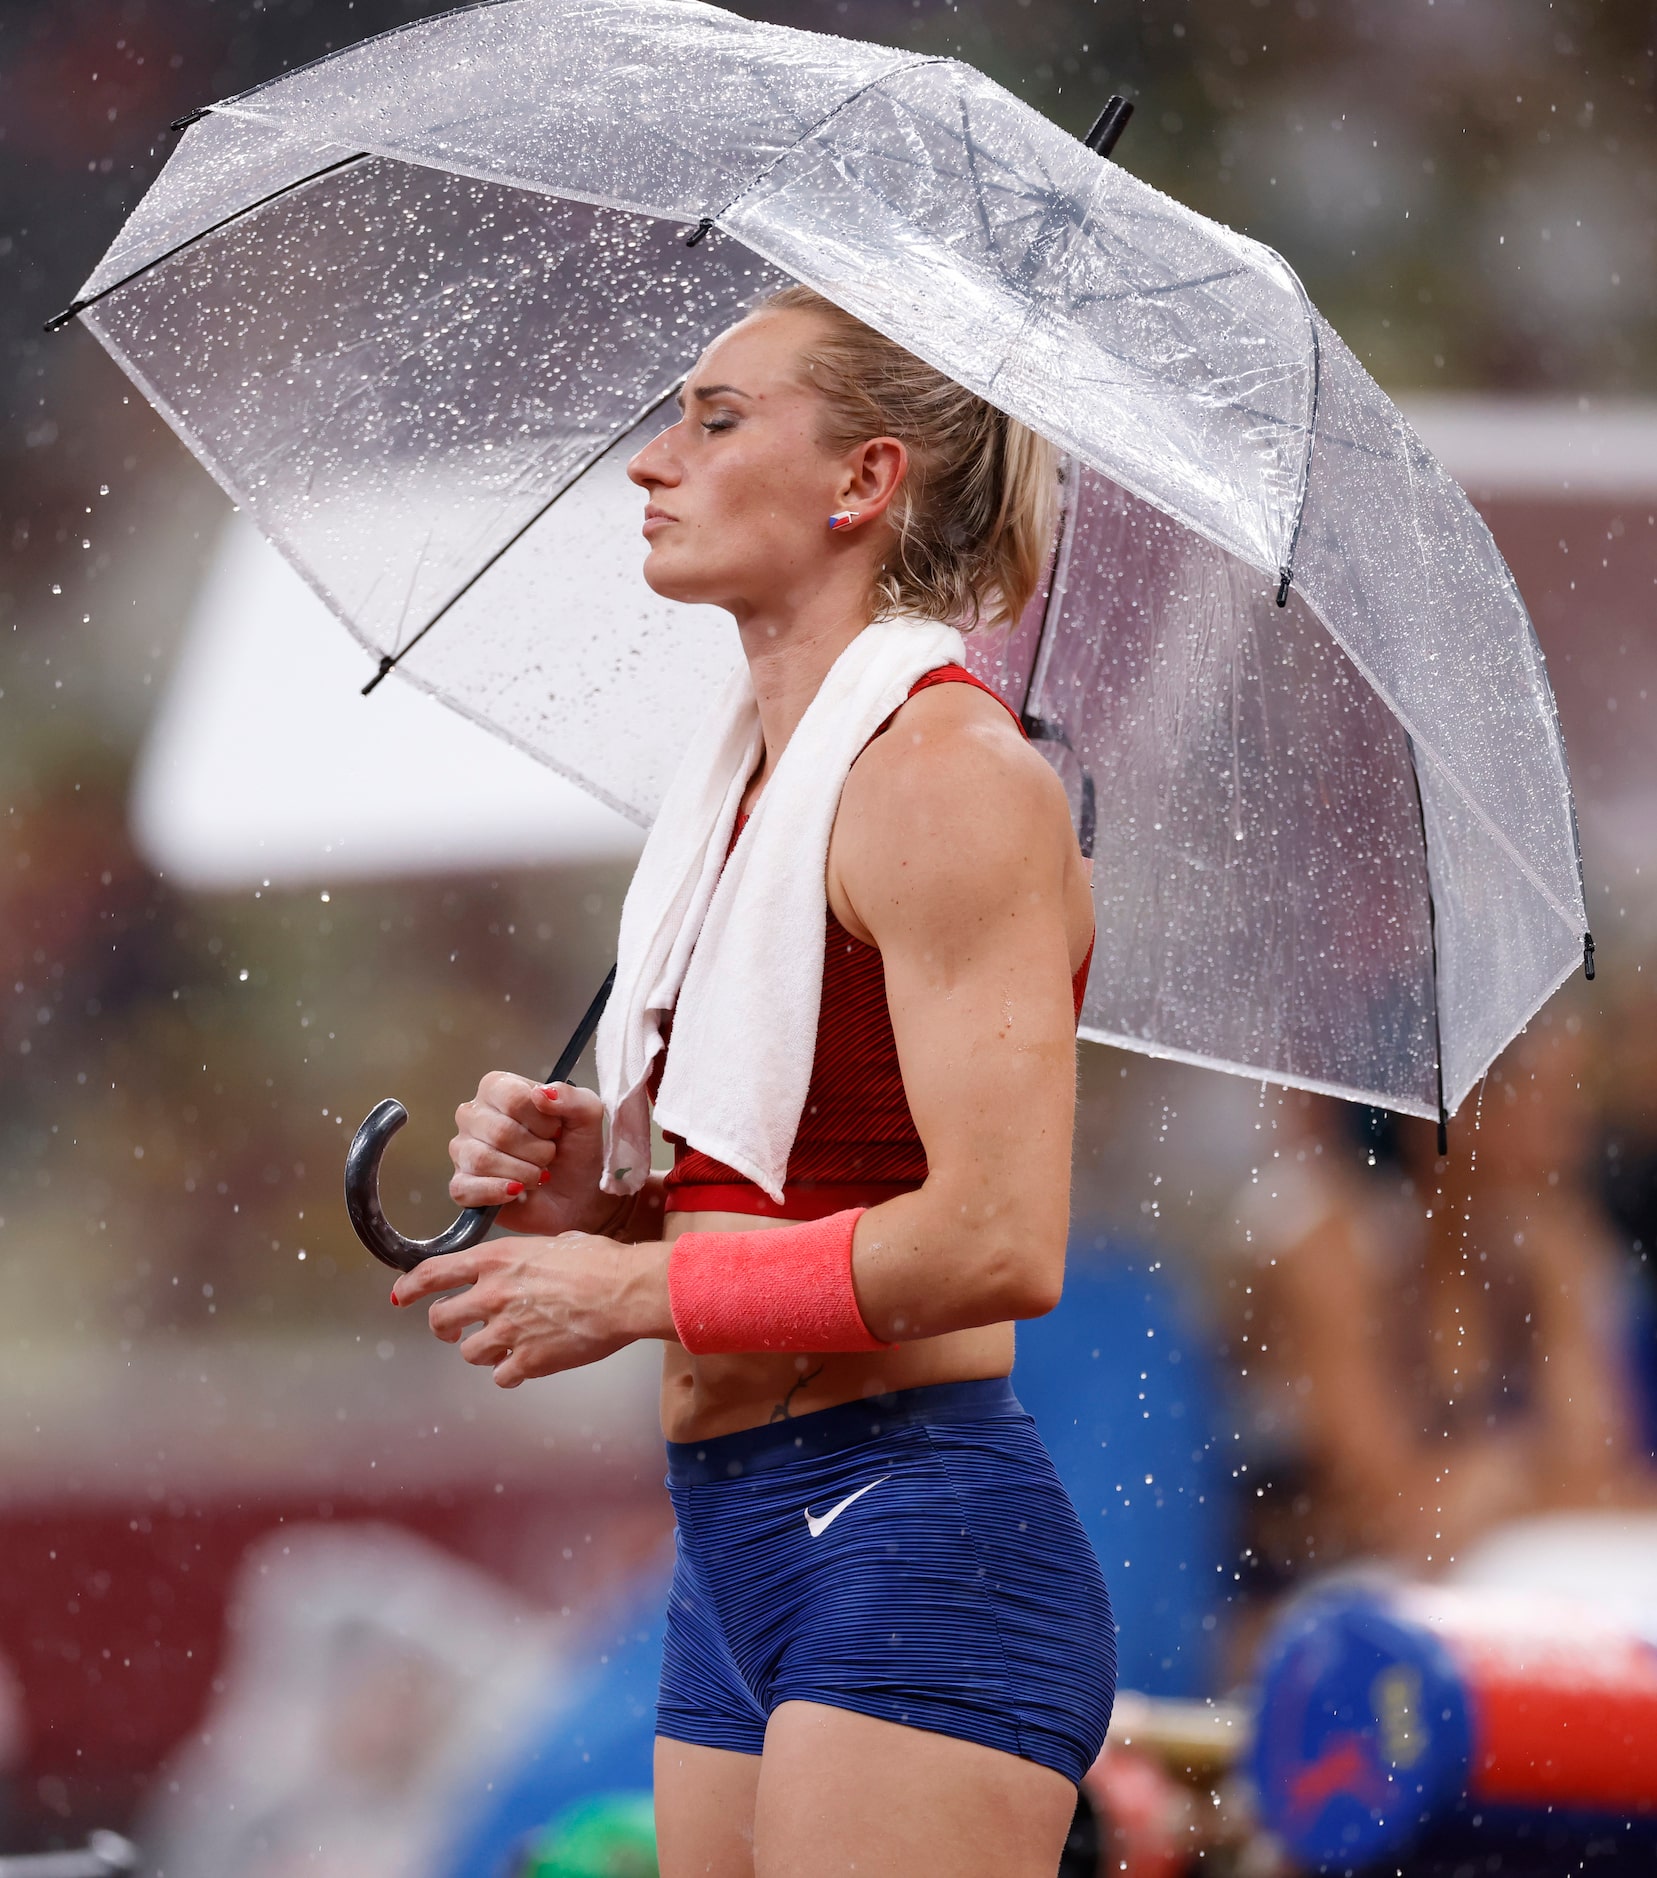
952	852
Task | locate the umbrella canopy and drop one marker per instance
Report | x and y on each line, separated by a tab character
416	304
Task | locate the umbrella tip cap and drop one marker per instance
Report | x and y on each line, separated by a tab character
1109	125
386	663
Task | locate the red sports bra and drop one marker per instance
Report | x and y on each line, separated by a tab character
857	1142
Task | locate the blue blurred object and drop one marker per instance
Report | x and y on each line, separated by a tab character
1125	1397
1364	1733
595	1735
1441	1731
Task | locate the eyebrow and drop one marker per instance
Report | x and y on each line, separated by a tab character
703	393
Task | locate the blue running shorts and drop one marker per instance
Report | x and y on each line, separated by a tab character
911	1556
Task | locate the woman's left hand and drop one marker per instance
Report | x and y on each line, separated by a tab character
543	1305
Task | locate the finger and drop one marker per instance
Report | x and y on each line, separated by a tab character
510	1095
477	1122
489	1346
517	1366
532	1106
434	1275
469	1190
473	1157
450	1317
509	1175
574	1106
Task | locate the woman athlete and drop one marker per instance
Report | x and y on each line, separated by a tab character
889	1646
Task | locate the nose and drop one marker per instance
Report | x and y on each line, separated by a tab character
653	467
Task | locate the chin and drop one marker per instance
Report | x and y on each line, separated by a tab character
674	583
660	581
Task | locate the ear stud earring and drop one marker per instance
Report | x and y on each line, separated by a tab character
843	518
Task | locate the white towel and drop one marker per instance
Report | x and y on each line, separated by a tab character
735	949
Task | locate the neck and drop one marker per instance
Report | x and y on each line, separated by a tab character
789	653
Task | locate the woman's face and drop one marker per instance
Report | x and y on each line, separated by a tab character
740	488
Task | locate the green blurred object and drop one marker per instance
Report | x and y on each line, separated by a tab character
610	1836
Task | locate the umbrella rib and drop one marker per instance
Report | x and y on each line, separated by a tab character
1050	730
782	156
1046	225
1286	573
1385	694
1056	584
413	582
1432	950
299	182
389	661
972	152
1553	711
1440	762
1157	290
969	151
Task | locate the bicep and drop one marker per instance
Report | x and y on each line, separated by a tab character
1331	1312
966	899
985	1033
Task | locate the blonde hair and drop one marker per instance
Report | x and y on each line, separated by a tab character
978	506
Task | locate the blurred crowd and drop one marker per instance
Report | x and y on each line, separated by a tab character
218	1459
1430	1346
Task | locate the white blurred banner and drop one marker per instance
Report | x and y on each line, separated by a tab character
264	762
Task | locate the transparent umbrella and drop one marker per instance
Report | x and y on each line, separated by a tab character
416	304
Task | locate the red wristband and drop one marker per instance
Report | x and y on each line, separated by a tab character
778	1288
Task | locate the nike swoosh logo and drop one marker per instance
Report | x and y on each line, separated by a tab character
821	1524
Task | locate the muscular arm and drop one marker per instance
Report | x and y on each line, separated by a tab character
1581	1446
1396	1486
954	853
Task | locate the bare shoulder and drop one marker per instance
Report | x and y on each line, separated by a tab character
955	753
950	806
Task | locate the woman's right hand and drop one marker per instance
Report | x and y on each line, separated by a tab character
536	1150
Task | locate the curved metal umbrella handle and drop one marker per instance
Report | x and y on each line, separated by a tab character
362	1198
368	1144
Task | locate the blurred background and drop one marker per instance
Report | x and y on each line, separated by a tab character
283	1585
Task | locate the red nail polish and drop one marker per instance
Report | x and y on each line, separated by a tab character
549	1091
394	1297
514	1187
546	1175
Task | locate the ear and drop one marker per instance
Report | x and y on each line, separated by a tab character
873	475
